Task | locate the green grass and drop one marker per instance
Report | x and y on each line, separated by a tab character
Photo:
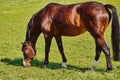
79	50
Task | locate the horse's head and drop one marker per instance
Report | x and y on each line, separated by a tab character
28	53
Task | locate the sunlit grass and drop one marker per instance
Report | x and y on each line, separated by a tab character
79	50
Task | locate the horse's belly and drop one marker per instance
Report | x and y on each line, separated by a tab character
72	31
70	27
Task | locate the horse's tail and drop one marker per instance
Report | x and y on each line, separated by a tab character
115	32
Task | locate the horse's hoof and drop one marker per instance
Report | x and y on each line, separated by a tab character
108	70
44	66
64	65
91	68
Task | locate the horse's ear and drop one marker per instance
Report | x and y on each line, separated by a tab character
26	43
22	43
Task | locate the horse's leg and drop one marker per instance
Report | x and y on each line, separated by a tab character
48	39
106	51
98	52
96	29
101	42
60	47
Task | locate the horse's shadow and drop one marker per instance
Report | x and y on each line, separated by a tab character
51	65
15	62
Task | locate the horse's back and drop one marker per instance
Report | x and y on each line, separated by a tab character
59	19
69	20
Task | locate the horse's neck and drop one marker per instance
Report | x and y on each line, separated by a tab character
33	36
33	31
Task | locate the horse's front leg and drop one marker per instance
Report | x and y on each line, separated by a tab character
48	39
61	50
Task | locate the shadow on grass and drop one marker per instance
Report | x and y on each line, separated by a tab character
51	65
15	62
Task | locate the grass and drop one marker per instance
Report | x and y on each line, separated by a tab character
79	50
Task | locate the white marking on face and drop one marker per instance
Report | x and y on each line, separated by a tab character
64	65
24	61
25	64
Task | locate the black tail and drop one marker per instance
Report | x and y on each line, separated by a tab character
115	35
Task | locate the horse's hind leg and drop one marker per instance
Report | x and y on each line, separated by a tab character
48	39
60	47
96	25
103	46
98	52
106	51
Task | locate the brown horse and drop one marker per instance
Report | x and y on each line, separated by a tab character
56	20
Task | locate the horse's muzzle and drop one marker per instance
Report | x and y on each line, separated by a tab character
26	64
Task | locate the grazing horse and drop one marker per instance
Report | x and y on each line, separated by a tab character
56	20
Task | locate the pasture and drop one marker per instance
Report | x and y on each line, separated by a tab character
79	50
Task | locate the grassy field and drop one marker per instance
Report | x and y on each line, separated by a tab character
14	16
